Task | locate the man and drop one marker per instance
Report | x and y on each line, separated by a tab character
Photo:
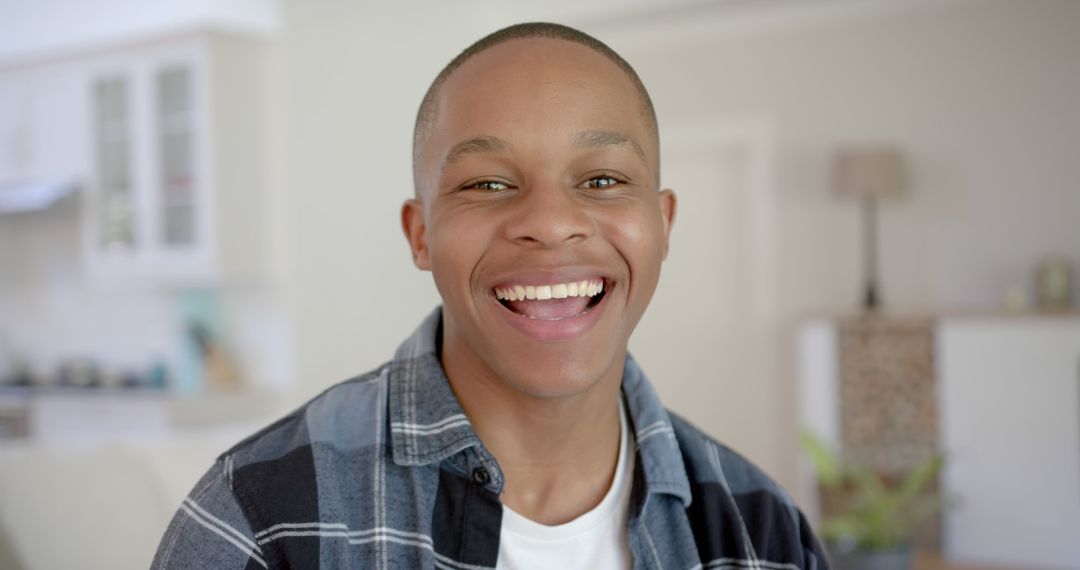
512	430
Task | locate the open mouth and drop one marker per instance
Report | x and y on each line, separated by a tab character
555	301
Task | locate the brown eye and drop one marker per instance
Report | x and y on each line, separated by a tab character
489	185
601	182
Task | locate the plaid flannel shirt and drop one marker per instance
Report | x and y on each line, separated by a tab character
385	471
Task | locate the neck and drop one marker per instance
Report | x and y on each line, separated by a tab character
558	455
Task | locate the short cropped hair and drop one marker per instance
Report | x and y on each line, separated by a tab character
425	117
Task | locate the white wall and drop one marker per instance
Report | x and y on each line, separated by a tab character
50	313
980	96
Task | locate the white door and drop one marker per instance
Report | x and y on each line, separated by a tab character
704	340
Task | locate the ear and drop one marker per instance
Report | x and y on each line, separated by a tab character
668	205
412	223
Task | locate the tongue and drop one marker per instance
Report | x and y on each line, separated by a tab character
550	309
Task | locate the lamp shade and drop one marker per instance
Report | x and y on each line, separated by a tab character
875	171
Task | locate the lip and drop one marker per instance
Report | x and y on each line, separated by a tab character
559	330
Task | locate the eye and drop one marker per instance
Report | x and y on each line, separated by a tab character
486	185
602	182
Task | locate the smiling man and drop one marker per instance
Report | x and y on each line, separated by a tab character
512	430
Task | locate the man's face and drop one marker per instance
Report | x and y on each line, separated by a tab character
538	179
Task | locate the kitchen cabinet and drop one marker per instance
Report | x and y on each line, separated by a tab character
18	117
176	189
166	141
40	108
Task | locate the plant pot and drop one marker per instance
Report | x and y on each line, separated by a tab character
897	558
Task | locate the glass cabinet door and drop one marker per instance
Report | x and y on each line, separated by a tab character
116	208
176	165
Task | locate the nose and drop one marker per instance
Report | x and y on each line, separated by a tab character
547	216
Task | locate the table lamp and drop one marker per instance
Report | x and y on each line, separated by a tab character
869	173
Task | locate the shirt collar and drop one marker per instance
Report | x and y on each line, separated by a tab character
657	447
427	424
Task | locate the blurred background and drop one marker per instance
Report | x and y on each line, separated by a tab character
199	231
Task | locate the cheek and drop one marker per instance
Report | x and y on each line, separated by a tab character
638	235
455	245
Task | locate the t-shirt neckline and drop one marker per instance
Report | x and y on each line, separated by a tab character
613	504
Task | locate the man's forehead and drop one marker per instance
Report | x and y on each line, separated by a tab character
497	91
535	50
537	60
511	84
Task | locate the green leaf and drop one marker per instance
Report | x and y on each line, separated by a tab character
918	513
919	478
873	512
869	484
826	463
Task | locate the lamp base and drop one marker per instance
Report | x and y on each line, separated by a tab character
871	300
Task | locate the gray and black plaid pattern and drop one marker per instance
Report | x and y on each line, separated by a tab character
385	471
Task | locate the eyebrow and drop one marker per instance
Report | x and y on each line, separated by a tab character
592	138
475	145
595	138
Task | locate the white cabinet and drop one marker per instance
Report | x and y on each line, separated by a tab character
1010	424
18	127
167	138
39	159
147	212
175	165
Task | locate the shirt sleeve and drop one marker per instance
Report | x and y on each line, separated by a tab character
813	555
210	530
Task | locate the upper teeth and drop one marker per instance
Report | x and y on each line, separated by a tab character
555	291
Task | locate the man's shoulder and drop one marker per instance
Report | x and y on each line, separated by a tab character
726	486
710	461
307	454
271	485
346	413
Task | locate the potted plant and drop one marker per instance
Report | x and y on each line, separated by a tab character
873	518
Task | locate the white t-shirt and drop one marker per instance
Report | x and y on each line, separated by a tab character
597	540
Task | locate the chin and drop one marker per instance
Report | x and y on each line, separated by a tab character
560	374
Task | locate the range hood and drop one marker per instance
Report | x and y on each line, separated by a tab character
34	195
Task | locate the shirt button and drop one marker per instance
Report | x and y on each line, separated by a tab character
481	476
